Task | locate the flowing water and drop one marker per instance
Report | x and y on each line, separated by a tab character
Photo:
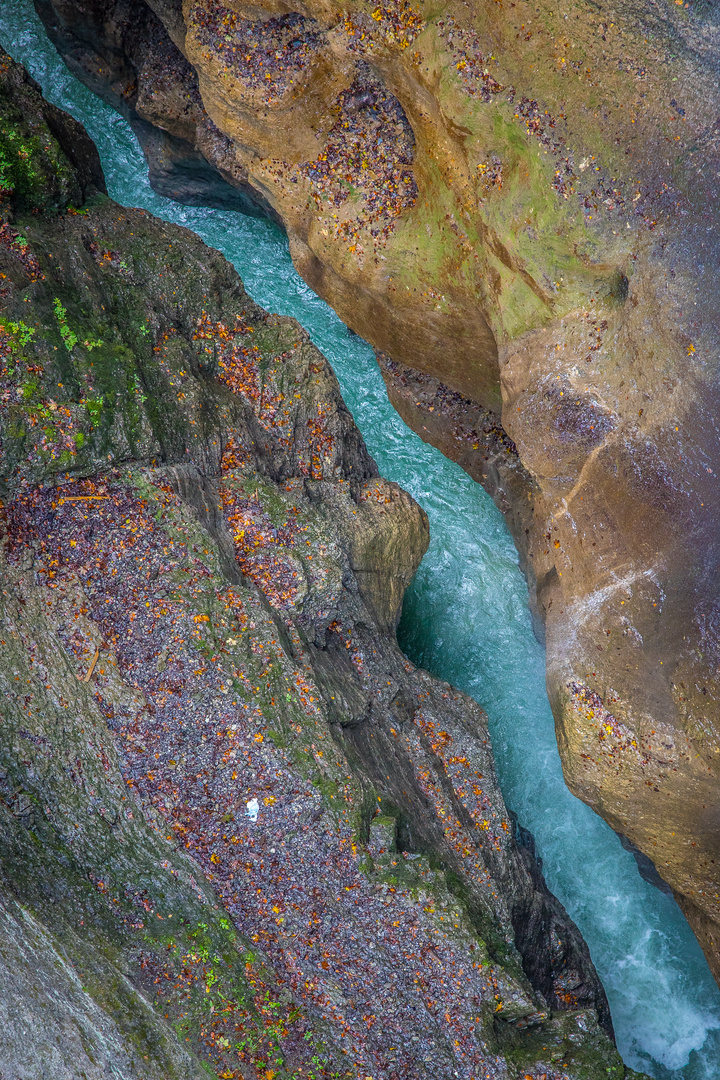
466	619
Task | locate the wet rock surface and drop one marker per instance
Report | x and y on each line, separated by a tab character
240	830
124	54
551	270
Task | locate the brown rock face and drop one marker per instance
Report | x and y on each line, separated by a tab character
519	202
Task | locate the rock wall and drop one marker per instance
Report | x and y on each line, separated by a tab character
240	832
516	201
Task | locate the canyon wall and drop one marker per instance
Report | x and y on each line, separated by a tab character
515	203
205	862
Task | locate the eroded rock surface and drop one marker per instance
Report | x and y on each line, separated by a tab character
239	830
518	201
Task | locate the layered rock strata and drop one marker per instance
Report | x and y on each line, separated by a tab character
518	201
240	831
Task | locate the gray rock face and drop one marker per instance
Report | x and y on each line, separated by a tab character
52	1026
207	722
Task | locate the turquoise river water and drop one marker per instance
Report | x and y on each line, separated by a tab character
466	619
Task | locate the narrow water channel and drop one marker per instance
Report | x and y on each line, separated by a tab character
465	618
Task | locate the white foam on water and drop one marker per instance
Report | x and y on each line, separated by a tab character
466	619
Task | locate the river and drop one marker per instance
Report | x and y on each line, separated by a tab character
466	619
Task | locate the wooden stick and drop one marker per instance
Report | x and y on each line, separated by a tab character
88	676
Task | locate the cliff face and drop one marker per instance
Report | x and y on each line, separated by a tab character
515	204
239	830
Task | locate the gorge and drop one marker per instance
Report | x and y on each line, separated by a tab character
261	255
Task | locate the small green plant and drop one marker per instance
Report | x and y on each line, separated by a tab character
94	408
19	337
22	332
137	387
6	183
25	333
69	338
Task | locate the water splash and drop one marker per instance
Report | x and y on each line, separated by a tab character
465	618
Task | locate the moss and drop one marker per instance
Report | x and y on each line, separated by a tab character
28	163
570	1041
37	148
